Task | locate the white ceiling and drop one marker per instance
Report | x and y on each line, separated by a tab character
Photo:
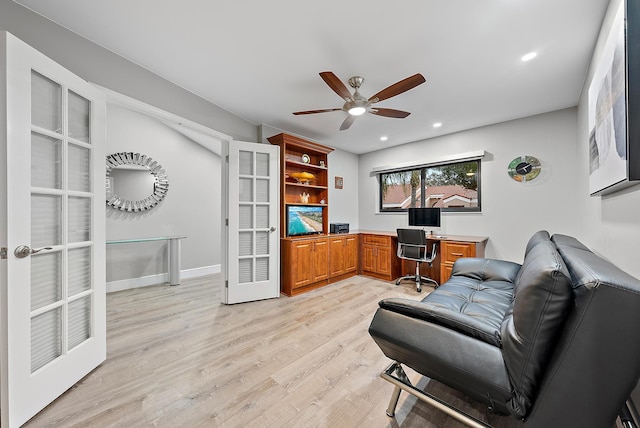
260	59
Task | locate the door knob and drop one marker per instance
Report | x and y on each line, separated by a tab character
23	251
273	229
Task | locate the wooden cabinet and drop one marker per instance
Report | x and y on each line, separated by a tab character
452	251
378	256
305	264
304	177
343	255
310	261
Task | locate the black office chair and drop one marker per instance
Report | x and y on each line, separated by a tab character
412	245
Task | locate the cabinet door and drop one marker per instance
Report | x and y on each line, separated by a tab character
368	259
383	260
350	254
320	260
302	263
336	256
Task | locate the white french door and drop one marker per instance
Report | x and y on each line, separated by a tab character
251	213
52	208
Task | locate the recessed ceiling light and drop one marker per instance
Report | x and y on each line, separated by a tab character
437	125
529	56
384	138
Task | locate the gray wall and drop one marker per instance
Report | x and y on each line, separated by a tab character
98	65
191	207
511	211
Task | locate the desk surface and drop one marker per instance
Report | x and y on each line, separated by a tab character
435	236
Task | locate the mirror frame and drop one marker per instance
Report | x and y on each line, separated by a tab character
160	187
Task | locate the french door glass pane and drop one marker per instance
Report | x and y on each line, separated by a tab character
79	270
262	190
262	242
262	216
246	163
262	164
79	321
262	269
46	161
46	220
79	168
79	219
46	103
246	190
46	338
79	109
246	217
46	279
245	243
245	271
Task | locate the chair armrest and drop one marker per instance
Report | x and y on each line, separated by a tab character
486	269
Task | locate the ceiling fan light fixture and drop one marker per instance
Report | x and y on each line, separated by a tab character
357	111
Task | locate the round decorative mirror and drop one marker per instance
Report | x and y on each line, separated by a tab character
135	182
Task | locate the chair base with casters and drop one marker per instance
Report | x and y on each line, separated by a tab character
419	279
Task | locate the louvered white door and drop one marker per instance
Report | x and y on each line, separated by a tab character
52	223
251	251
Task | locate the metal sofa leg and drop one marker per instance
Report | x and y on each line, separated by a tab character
628	415
391	410
396	375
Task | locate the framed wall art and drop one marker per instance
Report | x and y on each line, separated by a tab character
614	106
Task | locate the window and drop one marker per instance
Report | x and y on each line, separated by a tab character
451	187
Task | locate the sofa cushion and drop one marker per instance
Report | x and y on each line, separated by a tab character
473	301
542	296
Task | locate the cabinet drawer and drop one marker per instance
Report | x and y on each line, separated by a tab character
451	251
376	239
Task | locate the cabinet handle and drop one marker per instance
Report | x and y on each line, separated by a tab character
457	254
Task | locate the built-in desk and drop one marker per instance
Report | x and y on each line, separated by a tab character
449	249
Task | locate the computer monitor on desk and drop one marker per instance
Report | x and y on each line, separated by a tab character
424	217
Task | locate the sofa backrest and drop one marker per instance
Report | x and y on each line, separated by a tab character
531	327
596	362
536	238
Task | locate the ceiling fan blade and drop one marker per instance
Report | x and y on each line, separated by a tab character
398	88
347	122
317	111
337	85
389	112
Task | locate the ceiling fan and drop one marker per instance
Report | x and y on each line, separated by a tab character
357	105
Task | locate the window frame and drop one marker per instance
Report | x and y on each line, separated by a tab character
423	169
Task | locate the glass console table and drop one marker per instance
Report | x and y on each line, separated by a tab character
173	256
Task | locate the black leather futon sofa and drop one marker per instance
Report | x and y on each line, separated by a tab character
554	341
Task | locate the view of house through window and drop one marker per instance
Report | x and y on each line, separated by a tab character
452	187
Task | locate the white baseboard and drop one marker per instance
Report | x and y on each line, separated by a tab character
145	281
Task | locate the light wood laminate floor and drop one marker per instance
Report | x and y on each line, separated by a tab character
177	357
